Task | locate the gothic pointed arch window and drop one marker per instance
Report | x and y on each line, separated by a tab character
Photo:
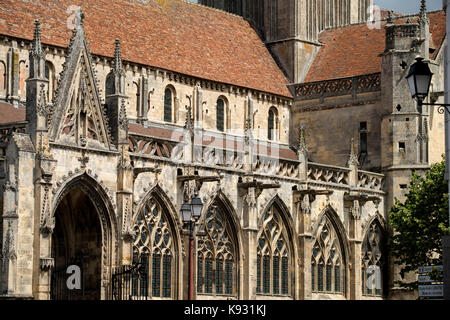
3	79
217	254
168	104
154	248
372	264
220	115
50	76
327	260
137	98
23	75
272	126
273	256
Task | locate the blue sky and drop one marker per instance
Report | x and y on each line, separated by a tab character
404	6
408	6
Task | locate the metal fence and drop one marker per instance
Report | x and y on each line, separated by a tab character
130	283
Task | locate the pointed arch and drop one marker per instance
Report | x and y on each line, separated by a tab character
219	249
170	95
374	258
330	254
3	77
275	251
104	208
51	77
157	246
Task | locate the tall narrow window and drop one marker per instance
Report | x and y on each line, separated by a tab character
220	115
50	76
168	105
216	254
327	247
372	265
153	246
2	79
272	124
273	248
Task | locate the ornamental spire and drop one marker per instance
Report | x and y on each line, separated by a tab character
37	45
117	57
423	8
353	158
301	142
423	11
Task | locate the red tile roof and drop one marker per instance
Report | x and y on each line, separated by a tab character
354	50
170	34
9	113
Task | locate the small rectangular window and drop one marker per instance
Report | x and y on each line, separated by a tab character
401	147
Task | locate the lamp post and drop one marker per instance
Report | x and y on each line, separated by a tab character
419	81
190	213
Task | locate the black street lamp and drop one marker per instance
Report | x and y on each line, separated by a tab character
190	213
419	81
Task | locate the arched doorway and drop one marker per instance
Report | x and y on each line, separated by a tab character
77	240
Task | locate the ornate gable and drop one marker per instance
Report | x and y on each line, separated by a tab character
78	116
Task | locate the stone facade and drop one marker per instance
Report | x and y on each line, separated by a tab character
93	174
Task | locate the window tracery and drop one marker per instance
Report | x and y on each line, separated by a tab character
372	261
273	256
327	271
153	246
216	255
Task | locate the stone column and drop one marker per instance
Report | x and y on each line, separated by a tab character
43	230
355	250
18	222
125	185
302	205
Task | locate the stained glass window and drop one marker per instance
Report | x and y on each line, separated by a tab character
153	245
327	247
273	268
168	101
216	255
220	115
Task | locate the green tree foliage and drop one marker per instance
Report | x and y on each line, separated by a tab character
420	223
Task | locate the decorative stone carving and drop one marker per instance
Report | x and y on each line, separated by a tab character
46	264
355	210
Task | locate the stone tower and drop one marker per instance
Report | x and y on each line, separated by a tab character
405	124
290	28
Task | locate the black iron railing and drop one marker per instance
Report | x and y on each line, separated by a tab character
130	283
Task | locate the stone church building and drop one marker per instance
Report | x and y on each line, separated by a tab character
291	120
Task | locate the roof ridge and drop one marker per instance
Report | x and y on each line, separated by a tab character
187	2
398	17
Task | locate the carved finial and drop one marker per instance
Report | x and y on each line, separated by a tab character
117	57
390	19
37	45
301	142
423	9
353	158
79	18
